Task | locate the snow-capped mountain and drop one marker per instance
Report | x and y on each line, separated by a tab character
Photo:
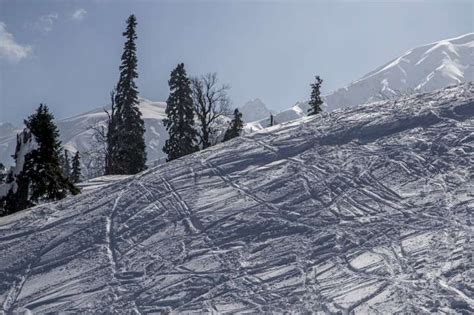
422	69
254	110
359	211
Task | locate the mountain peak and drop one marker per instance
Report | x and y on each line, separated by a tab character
254	110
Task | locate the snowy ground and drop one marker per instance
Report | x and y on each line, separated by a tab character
366	210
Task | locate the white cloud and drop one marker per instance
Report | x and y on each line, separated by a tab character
79	14
9	48
45	22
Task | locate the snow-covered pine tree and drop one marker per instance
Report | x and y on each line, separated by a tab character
76	168
235	127
128	155
37	175
315	102
180	112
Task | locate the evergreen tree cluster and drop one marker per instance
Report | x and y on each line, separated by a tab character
38	175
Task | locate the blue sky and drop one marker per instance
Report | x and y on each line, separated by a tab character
66	53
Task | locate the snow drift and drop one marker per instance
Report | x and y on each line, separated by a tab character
361	210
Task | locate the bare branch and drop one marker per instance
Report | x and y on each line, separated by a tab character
210	102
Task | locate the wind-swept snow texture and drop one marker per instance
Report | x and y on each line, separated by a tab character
363	210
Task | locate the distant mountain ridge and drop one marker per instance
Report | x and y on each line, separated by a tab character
422	69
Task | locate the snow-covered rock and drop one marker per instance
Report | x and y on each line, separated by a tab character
254	110
363	210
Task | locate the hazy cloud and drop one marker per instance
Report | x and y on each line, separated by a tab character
79	14
9	48
45	22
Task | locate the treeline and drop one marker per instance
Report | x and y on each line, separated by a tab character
196	119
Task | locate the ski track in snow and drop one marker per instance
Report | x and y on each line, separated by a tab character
365	210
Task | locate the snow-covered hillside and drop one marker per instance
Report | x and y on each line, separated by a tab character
364	210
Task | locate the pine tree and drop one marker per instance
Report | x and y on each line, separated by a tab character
315	102
128	154
180	112
38	175
235	127
76	168
66	164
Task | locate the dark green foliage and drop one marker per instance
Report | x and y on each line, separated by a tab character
315	102
127	150
41	177
180	112
235	127
65	164
76	168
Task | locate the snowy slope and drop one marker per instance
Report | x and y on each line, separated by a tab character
254	110
365	210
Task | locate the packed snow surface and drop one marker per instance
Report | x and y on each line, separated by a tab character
363	210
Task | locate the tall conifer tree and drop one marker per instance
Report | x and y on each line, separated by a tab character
315	102
128	154
66	165
180	112
76	168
